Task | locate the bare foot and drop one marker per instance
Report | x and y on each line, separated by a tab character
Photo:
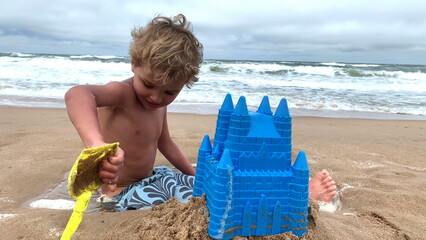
322	187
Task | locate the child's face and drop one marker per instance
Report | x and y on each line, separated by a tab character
150	93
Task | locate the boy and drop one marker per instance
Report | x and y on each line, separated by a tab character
165	57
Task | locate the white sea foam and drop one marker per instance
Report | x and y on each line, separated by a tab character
334	205
334	64
419	76
22	54
58	204
365	65
7	215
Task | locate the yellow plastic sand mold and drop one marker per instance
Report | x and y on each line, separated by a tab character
83	181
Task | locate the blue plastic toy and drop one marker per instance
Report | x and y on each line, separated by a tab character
250	185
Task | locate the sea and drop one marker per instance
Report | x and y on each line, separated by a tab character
326	89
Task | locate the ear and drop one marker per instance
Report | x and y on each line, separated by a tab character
133	67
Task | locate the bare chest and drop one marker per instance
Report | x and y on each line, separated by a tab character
133	129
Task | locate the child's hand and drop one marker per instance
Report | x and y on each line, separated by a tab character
110	169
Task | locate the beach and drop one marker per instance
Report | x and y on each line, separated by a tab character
378	165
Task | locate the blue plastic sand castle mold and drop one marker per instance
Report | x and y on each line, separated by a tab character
250	185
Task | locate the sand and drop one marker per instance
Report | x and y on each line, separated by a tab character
379	166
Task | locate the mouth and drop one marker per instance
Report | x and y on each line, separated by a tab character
152	105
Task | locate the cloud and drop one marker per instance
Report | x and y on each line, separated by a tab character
276	30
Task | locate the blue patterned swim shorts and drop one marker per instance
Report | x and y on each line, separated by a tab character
154	190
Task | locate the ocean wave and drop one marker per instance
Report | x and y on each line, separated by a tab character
81	56
362	73
21	55
364	65
334	64
307	85
357	73
413	76
216	68
103	58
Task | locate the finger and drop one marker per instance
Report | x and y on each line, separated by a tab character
117	158
108	167
110	181
108	172
107	176
112	184
112	187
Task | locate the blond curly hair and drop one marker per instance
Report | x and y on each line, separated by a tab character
168	47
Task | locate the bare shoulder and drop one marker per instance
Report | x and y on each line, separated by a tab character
117	93
125	86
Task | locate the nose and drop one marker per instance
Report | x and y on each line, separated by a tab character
156	98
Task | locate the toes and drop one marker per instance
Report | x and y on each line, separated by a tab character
332	189
330	186
329	183
331	195
327	180
321	176
326	197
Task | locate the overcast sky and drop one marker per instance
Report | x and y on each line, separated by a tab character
389	31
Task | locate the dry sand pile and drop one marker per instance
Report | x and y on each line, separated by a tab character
176	220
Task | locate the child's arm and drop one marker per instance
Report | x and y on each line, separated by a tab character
82	103
172	152
82	111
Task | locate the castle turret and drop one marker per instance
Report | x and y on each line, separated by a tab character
282	110
219	214
225	161
300	185
301	162
265	107
204	151
301	172
241	109
282	120
222	123
239	125
216	153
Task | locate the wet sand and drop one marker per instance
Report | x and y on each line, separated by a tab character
379	164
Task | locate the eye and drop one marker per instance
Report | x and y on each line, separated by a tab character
170	93
147	85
